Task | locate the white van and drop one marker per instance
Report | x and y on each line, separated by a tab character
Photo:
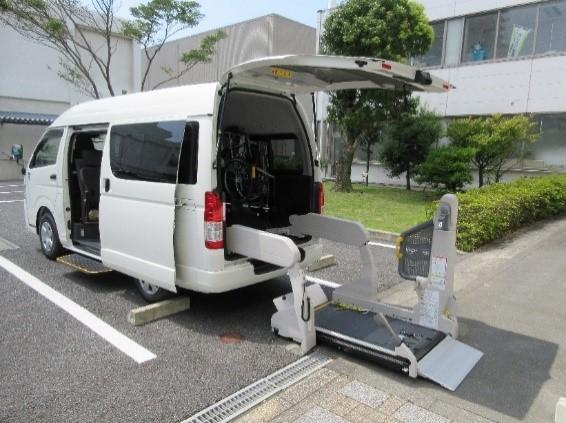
148	183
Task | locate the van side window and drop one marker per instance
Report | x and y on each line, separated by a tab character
188	163
46	152
146	151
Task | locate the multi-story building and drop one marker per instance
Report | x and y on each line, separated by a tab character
503	56
269	35
32	94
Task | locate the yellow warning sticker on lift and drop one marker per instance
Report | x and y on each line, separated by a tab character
281	73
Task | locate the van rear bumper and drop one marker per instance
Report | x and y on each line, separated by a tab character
236	275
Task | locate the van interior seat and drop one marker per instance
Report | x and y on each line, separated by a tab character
87	166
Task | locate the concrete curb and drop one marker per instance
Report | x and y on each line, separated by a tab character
376	234
149	313
322	263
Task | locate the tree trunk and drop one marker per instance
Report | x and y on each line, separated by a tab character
408	178
368	158
344	168
480	176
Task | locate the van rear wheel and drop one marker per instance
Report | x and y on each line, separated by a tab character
152	293
49	237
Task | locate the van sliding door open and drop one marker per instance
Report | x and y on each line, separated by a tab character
137	202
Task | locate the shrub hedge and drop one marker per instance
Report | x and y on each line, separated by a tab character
491	212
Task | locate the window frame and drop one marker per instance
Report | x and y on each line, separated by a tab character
531	54
141	178
494	59
32	163
546	54
493	53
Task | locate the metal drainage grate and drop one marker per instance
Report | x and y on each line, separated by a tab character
238	403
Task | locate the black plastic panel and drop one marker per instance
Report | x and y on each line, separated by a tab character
366	326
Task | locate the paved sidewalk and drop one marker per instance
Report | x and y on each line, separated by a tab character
511	306
330	396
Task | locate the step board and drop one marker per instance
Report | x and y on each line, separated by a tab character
84	264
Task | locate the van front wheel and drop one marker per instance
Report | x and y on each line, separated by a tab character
48	237
152	293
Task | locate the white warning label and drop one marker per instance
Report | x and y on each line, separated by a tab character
429	304
438	269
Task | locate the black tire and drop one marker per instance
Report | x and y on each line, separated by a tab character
49	237
152	293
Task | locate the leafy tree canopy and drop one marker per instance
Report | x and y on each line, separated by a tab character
409	141
495	139
389	29
446	168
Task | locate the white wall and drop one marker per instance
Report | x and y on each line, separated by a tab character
520	86
29	72
441	9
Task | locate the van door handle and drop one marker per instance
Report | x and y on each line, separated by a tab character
53	177
106	184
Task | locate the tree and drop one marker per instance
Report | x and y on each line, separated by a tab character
86	34
496	140
446	168
156	22
366	145
389	29
409	141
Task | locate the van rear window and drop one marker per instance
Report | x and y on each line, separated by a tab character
146	151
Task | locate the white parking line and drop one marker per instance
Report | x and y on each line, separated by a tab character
323	282
9	192
379	244
6	186
11	201
98	326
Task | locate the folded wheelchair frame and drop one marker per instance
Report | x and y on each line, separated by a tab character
418	341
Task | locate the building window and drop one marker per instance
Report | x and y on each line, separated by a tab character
479	38
146	151
454	32
550	148
516	32
551	36
434	56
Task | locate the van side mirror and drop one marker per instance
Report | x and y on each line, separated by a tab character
17	152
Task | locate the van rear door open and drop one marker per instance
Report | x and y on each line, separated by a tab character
306	74
137	200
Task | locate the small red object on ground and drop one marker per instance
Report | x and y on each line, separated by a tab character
231	338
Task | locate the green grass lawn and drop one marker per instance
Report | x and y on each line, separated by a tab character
376	207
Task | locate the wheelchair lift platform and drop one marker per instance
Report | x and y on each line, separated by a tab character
418	341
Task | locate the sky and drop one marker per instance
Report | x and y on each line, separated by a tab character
218	13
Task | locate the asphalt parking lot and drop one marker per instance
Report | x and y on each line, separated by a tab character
54	368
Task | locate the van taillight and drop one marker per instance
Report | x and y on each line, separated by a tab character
319	192
213	221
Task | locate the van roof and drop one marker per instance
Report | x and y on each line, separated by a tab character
165	104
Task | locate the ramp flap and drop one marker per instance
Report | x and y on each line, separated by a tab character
449	363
